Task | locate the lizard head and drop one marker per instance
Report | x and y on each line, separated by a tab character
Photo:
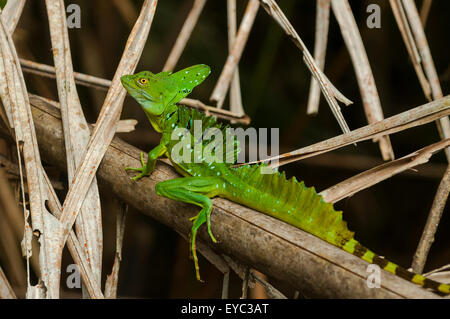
157	92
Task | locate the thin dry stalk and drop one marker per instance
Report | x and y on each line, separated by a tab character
10	228
417	116
225	285
228	71
245	283
6	292
112	280
411	47
11	14
431	226
320	49
241	270
76	137
45	227
271	291
235	89
380	173
366	81
49	71
76	250
105	127
427	62
184	35
328	89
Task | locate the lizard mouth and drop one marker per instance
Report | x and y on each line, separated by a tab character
125	79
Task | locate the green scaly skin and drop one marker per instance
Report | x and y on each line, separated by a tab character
288	200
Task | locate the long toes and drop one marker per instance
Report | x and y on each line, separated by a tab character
137	177
213	238
193	218
142	159
133	169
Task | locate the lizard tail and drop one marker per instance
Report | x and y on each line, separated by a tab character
355	248
292	202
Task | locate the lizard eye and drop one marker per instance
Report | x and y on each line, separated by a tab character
143	81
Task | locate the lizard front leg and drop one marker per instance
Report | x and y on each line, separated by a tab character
197	191
148	168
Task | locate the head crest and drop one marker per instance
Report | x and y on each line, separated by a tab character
155	92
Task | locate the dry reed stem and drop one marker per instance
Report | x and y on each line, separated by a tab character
228	71
357	162
11	14
411	47
99	83
76	137
76	250
74	246
271	291
184	35
361	65
45	227
112	280
431	226
328	89
105	127
427	62
320	49
49	71
417	116
380	173
6	292
11	229
410	19
235	89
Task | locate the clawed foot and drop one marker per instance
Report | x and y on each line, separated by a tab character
199	219
143	169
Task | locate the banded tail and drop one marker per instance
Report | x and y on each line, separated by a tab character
355	248
301	206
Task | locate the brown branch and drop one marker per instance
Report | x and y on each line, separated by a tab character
257	240
320	49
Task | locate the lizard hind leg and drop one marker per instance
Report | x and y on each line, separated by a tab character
197	191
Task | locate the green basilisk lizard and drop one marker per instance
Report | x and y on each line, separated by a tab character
288	200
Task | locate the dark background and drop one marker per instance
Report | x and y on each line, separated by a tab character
388	217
